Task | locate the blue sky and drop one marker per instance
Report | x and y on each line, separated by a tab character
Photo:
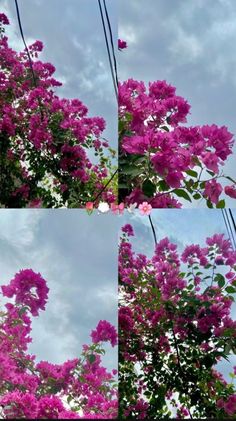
79	262
191	44
74	43
183	227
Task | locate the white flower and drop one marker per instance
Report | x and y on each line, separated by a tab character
103	207
131	208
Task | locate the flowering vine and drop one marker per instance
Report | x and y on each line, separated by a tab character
79	388
160	160
174	327
44	139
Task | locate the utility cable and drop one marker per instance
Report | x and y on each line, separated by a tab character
108	50
153	229
112	43
23	39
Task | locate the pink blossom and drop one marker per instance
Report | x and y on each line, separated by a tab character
213	190
230	191
104	332
145	208
122	44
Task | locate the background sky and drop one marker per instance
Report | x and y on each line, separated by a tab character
191	45
183	227
79	263
74	43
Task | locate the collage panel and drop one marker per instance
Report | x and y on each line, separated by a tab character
58	315
58	109
177	316
176	103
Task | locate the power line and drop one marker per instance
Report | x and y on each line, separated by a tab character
23	39
228	227
112	43
108	50
232	219
106	185
153	229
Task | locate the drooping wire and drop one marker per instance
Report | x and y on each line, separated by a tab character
106	185
112	43
24	42
108	49
153	229
113	74
228	227
232	219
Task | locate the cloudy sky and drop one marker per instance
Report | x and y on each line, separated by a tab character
74	43
182	227
191	44
79	263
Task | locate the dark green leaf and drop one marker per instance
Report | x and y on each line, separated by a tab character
182	193
221	204
148	188
197	196
92	358
210	172
230	290
192	173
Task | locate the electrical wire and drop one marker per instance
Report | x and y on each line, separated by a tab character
106	185
24	42
231	230
112	43
114	74
108	50
228	227
153	229
232	219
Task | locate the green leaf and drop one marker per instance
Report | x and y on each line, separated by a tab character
220	279
231	179
210	172
148	188
192	173
133	171
92	358
165	128
221	204
163	186
197	196
182	193
209	204
128	116
221	283
230	290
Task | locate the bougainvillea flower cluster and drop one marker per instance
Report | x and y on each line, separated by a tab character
175	326
77	389
45	139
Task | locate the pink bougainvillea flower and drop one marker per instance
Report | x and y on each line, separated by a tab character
122	44
231	191
145	208
104	332
213	191
3	19
29	289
